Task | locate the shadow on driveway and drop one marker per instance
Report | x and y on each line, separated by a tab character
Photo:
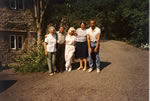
5	84
104	64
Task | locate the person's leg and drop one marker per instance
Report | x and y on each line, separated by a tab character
70	66
63	59
60	57
85	64
68	63
49	62
70	59
81	64
90	63
90	60
53	61
98	61
57	58
67	57
98	65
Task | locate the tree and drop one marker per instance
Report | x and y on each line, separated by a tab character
121	19
39	10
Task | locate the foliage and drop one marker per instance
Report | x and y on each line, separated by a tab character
125	20
32	60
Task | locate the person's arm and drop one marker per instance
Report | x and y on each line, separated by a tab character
97	42
75	33
45	46
88	40
73	41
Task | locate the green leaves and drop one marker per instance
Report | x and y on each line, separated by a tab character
121	19
33	60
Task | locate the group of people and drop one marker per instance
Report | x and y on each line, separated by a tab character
84	43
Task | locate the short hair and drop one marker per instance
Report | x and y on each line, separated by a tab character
71	29
61	27
92	20
51	27
83	23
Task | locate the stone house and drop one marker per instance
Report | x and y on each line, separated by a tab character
17	28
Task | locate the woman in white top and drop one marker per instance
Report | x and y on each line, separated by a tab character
69	48
50	50
81	46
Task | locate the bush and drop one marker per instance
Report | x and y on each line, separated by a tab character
32	60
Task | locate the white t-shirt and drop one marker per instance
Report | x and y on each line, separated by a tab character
51	42
81	35
93	33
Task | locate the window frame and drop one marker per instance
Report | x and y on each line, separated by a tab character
15	4
22	41
18	5
15	41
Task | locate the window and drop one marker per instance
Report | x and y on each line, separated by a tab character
12	4
21	4
16	4
13	42
20	41
16	41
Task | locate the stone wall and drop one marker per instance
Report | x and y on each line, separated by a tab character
16	22
7	55
14	19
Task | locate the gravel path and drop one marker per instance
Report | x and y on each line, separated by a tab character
124	78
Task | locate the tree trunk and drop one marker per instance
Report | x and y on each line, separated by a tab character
39	9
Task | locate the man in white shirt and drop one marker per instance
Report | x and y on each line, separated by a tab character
50	50
93	37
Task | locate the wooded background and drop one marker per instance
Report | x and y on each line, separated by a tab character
126	20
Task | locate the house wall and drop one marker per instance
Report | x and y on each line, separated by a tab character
7	55
16	22
16	19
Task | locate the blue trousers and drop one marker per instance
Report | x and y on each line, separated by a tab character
94	55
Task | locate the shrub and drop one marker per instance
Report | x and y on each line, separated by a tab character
32	60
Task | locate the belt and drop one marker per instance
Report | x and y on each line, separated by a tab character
93	41
61	44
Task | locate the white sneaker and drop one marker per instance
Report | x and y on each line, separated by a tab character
98	70
69	70
90	70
